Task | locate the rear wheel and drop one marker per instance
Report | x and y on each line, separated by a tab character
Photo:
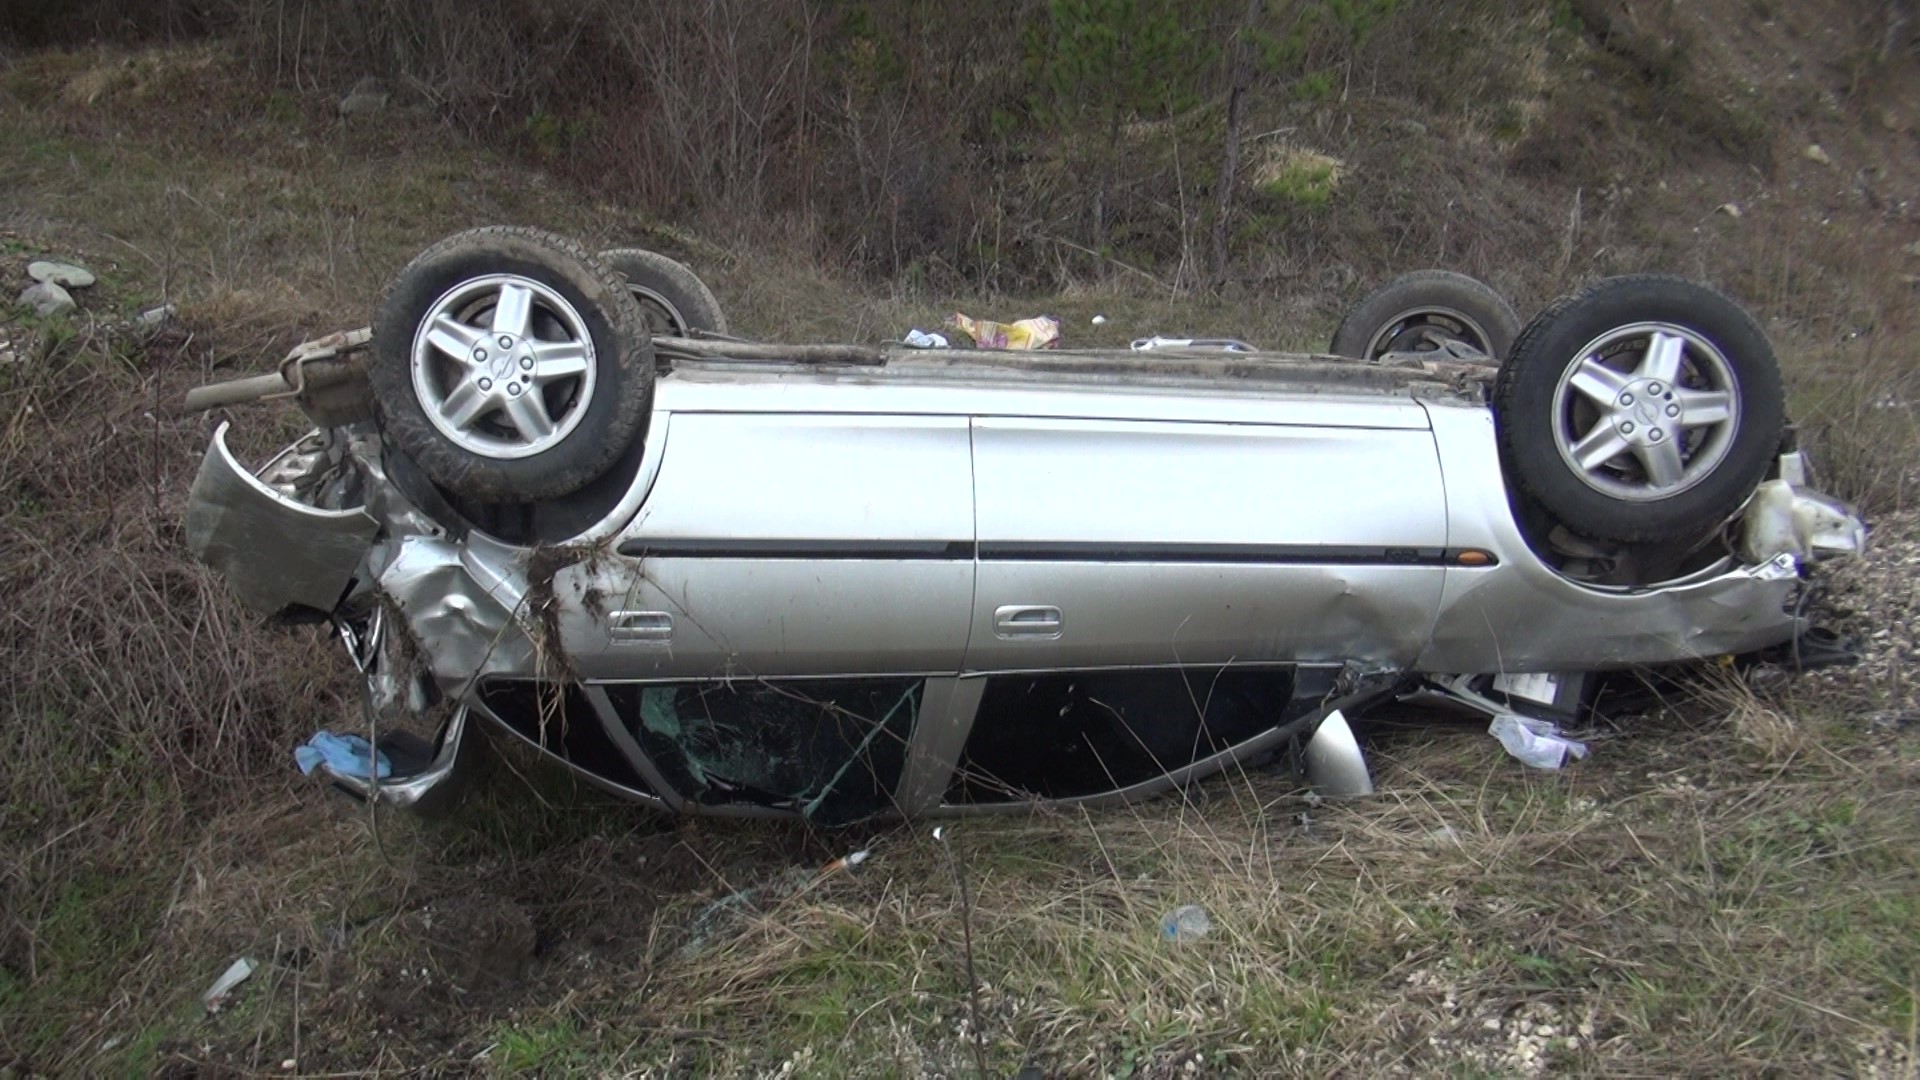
1644	408
1428	311
511	365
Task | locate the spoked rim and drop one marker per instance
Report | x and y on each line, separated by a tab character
503	366
663	316
1424	328
1646	411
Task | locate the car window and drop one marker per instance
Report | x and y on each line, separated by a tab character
830	749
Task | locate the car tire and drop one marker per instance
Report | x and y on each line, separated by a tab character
511	365
1643	408
676	301
1423	310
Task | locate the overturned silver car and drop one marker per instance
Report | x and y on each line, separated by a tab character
548	495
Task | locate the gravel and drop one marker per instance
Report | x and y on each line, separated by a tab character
1876	601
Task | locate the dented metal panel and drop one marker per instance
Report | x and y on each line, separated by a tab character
273	550
464	605
1523	616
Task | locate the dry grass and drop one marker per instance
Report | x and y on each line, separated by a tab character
1727	887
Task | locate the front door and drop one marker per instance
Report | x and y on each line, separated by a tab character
782	545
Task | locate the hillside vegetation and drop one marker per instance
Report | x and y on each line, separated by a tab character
1727	887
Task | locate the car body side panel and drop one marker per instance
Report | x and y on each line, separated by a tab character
779	544
1159	543
1522	616
829	391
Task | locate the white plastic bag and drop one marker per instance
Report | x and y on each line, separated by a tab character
1534	741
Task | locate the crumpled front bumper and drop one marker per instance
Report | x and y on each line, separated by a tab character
382	571
275	552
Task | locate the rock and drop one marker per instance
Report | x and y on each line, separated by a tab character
367	97
48	300
57	273
1815	154
1912	251
1406	126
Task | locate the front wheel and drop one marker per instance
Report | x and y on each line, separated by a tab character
511	365
1644	408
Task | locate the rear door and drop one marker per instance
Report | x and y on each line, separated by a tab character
1108	543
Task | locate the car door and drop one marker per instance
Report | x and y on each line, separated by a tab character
785	545
790	602
1319	537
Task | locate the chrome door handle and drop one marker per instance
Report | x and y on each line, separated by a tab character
640	626
1028	621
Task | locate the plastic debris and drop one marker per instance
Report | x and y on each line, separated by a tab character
1039	332
846	862
1804	524
343	755
1148	344
216	996
1188	922
155	316
920	339
1535	742
1099	320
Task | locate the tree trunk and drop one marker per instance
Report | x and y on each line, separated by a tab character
1105	190
1240	74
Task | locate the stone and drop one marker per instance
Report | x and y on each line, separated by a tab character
48	300
65	275
1912	251
1815	154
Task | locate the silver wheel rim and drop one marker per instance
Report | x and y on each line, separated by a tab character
1646	411
663	318
1428	324
503	366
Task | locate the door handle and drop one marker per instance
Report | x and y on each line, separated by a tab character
1028	621
640	626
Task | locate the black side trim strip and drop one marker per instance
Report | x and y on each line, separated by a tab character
1315	554
733	548
1039	551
